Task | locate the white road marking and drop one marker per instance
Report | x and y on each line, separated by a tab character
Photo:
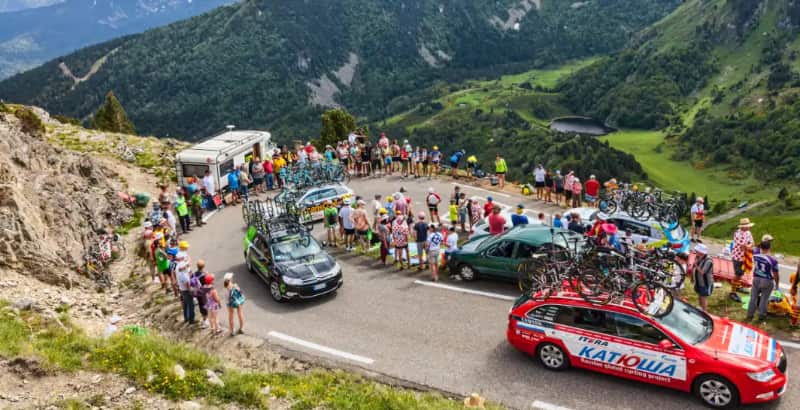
208	215
324	349
789	344
547	406
481	189
465	290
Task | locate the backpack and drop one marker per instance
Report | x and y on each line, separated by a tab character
433	199
195	285
237	299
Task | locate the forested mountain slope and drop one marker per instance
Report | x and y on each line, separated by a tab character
274	64
32	36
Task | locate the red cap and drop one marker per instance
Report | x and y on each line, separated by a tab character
208	279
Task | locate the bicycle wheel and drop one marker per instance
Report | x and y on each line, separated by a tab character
527	272
674	274
594	287
608	206
652	299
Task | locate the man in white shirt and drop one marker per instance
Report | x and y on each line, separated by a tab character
539	176
208	183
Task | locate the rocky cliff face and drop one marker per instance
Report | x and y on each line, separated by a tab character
52	203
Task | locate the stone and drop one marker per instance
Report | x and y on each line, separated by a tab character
130	390
96	379
65	301
190	405
179	372
214	379
266	390
23	304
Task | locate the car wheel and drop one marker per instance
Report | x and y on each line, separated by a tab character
716	392
552	357
467	272
275	290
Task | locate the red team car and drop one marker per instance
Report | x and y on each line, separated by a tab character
723	362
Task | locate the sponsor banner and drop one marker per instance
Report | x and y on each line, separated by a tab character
743	341
624	358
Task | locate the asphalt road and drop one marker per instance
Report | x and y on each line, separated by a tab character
394	322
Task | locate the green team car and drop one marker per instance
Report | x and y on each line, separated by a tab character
500	256
284	254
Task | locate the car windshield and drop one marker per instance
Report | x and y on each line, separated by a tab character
473	244
687	323
295	247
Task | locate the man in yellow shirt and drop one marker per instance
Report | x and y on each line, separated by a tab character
500	168
277	163
472	163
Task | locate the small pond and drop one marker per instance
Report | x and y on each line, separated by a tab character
580	125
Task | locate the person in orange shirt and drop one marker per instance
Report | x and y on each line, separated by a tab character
794	280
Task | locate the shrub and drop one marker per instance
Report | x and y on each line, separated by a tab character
67	120
31	123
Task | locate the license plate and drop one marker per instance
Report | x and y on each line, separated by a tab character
319	286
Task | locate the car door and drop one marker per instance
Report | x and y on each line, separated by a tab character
499	260
640	231
646	359
259	259
315	201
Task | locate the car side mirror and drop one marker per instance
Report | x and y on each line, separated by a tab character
666	344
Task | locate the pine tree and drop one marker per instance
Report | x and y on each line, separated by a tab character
111	117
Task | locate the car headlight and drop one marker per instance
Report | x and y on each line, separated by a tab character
764	376
336	268
292	281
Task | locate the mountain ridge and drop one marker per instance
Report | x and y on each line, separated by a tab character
250	64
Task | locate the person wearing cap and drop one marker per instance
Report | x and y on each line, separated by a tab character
592	191
703	275
361	223
434	248
698	216
766	278
488	206
741	254
161	259
400	204
432	199
405	159
400	232
196	285
183	277
500	169
383	141
436	157
455	159
330	217
497	223
420	237
519	217
384	234
348	225
213	303
568	180
234	302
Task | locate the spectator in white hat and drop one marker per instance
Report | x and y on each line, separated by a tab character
234	301
703	275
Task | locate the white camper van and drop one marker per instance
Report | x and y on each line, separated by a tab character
221	154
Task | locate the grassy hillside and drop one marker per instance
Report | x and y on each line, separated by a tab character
655	155
528	94
261	64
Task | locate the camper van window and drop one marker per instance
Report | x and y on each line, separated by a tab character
225	167
194	170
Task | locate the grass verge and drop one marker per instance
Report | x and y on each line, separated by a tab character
721	305
148	360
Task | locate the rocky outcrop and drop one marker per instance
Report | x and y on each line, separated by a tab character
52	203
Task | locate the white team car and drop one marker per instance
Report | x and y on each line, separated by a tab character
313	199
